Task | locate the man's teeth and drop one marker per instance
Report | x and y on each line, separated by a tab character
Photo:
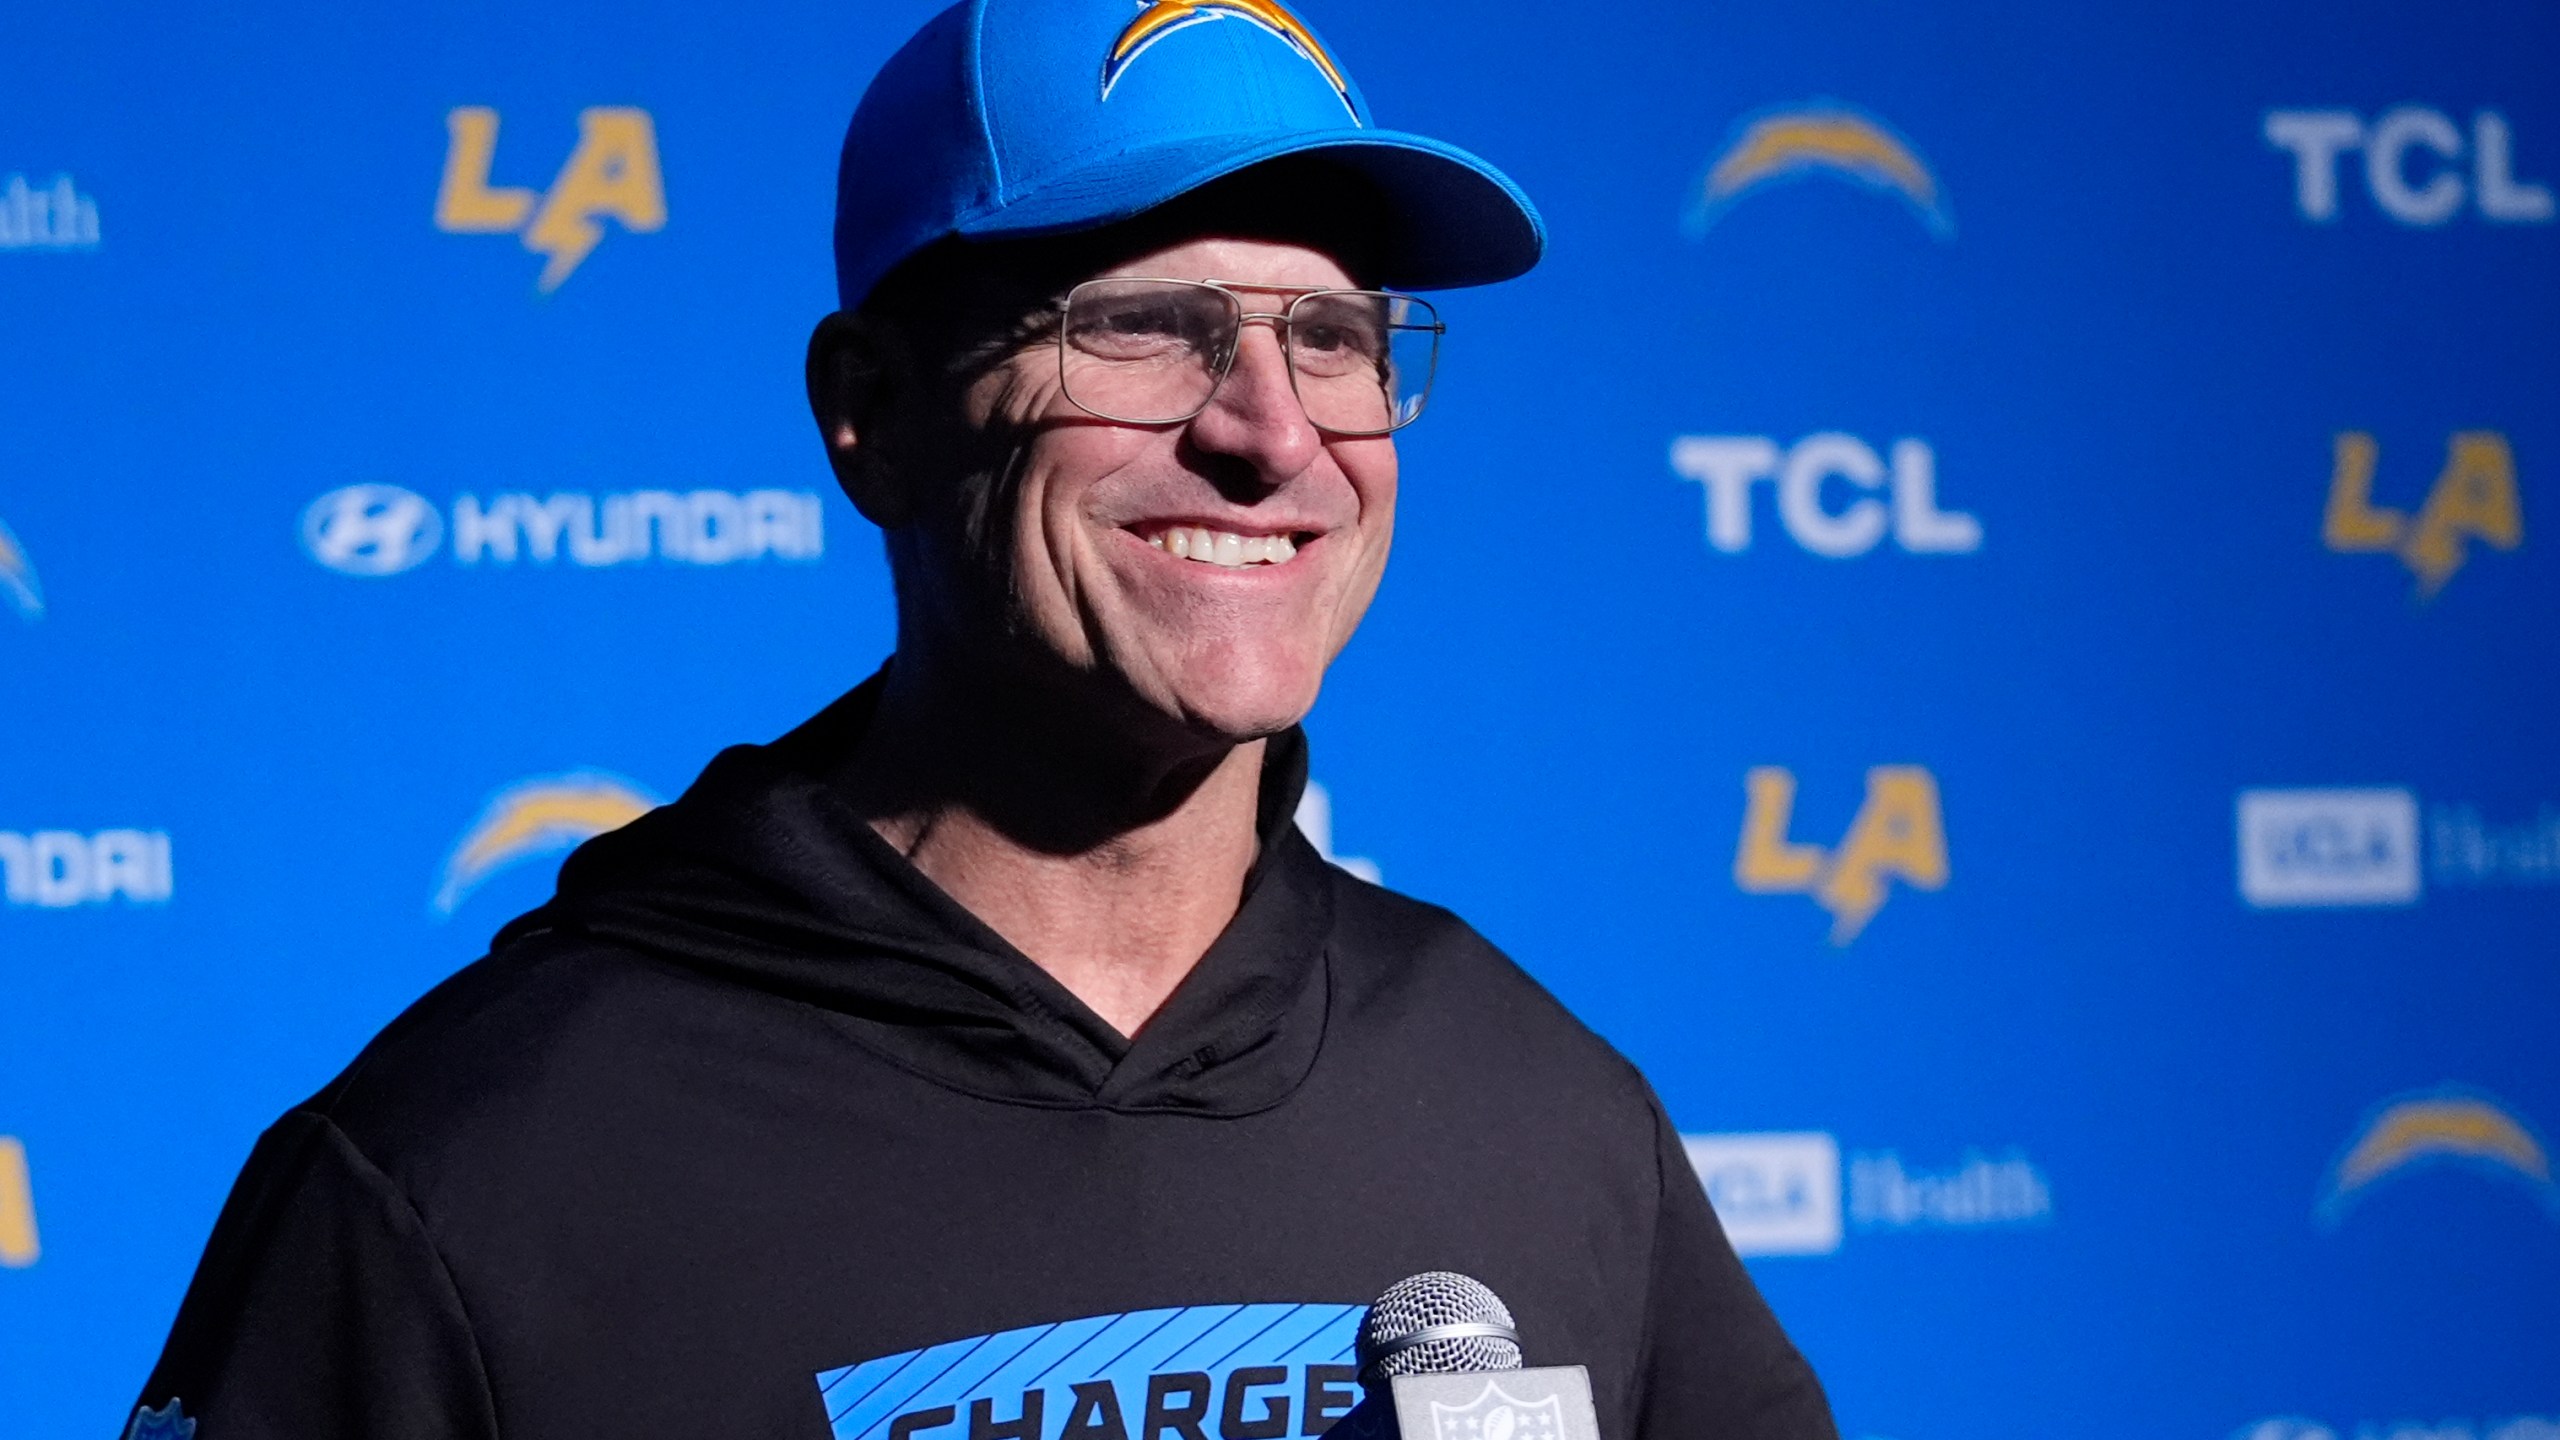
1219	547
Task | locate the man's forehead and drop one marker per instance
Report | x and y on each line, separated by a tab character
1244	262
1306	206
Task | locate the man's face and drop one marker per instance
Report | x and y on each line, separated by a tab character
1231	650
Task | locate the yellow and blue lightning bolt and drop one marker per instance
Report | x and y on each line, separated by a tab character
1163	17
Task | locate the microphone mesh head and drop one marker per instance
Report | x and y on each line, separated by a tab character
1435	1297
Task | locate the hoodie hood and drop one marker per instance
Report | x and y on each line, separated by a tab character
762	875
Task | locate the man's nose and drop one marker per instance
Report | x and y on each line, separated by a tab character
1256	415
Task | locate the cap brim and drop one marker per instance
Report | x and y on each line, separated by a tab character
1451	220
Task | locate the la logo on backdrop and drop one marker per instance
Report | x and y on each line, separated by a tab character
611	174
2423	169
1899	834
2473	498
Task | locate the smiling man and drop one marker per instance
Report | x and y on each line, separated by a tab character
991	1057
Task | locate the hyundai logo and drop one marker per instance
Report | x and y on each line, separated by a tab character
371	529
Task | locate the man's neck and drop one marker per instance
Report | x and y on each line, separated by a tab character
1113	871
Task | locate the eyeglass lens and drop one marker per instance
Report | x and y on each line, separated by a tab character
1152	352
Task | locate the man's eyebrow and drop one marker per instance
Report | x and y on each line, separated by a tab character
999	337
1230	285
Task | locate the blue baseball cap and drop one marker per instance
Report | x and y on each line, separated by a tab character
1017	118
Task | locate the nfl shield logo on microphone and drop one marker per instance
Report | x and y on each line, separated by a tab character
1495	1415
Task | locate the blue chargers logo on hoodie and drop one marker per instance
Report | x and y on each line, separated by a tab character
1240	1372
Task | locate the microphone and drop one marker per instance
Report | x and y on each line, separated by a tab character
1439	1353
1435	1322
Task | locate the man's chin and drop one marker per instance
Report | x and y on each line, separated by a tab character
1218	694
1233	711
1243	724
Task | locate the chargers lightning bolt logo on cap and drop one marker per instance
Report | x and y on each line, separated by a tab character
1160	18
1819	138
540	816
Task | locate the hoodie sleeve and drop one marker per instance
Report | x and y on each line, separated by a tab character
321	1310
1715	1361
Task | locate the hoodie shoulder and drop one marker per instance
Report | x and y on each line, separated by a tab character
1424	964
502	1060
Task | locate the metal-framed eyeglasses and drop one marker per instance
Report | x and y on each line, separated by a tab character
1144	351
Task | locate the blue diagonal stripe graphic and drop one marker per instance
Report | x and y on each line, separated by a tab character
1309	1335
1134	1330
966	1378
1332	1338
1213	1349
1186	1326
1033	1365
892	1397
864	1398
857	1380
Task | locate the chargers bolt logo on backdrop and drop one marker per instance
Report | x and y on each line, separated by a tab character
2474	498
612	173
18	578
18	1247
1160	18
2446	1126
2320	139
1820	138
545	815
1729	465
1898	834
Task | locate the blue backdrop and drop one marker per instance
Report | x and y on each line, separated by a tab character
1986	616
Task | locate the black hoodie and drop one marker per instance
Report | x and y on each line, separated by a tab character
753	1131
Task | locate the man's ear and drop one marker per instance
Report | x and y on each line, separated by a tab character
860	373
